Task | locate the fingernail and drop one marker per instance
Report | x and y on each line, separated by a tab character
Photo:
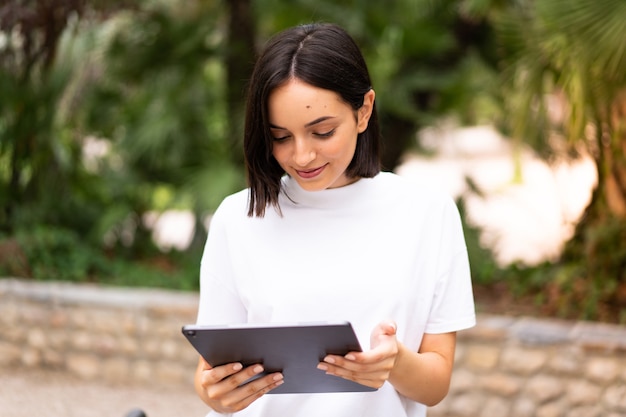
258	369
329	359
237	367
322	367
277	377
350	357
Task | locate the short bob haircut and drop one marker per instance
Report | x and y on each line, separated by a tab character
324	56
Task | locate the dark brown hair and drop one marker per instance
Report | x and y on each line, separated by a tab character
324	56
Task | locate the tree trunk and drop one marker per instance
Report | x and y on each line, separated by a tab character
616	161
239	63
608	201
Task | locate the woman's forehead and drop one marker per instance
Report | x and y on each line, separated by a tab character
302	102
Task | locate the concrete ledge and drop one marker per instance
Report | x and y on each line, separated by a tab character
546	332
66	293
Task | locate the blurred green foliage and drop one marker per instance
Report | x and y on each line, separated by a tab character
111	110
52	253
130	113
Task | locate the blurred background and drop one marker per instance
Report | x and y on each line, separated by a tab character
121	131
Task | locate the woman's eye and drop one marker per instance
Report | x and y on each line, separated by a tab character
280	138
325	134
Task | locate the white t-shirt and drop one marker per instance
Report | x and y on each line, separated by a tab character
382	248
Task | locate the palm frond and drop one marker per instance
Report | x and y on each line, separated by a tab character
576	47
596	30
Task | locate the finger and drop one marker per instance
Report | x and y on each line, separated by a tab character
374	378
229	377
214	375
245	402
373	375
343	367
244	395
366	371
354	374
352	359
238	380
260	386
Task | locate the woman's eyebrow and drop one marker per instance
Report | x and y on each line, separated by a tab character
309	124
318	120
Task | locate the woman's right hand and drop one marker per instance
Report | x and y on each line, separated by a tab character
220	387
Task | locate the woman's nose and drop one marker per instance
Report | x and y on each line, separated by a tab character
304	153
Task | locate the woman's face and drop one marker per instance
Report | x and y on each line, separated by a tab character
315	133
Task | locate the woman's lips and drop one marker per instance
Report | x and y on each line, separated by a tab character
311	173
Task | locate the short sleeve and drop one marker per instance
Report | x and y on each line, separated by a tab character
219	299
453	304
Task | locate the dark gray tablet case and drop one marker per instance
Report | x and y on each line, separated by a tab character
293	349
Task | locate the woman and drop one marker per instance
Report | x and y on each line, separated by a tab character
322	234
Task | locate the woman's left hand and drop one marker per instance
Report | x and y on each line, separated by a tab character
371	368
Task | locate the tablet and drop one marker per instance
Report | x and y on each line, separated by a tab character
293	349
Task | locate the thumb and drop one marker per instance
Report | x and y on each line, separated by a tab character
390	327
205	364
383	331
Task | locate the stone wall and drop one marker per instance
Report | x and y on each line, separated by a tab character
523	367
114	334
505	366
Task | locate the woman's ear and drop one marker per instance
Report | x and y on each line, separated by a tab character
365	112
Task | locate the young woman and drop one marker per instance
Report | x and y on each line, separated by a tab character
322	234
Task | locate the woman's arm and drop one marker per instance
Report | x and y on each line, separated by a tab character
424	376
